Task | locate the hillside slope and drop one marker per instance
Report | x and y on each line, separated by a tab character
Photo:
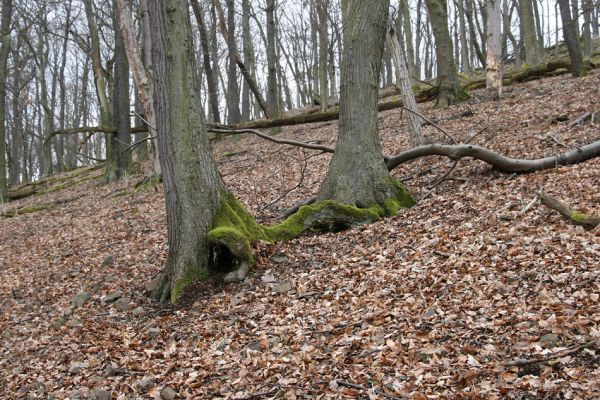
458	297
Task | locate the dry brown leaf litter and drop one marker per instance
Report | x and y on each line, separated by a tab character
430	304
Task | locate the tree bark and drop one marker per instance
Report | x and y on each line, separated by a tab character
7	7
357	175
494	50
403	81
450	90
571	39
322	13
192	182
120	161
233	90
533	57
272	87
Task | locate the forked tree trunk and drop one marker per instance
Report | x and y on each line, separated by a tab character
357	174
192	182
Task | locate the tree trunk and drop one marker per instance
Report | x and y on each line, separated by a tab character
192	182
7	7
357	174
233	90
571	39
533	57
587	28
322	11
210	79
494	50
408	40
272	89
465	64
450	90
403	81
248	51
120	161
17	162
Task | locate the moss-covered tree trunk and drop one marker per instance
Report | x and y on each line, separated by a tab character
357	175
450	90
191	180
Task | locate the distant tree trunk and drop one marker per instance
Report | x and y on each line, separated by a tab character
7	7
210	79
494	50
120	161
248	57
314	67
272	62
465	65
533	56
357	174
100	82
60	148
403	81
472	21
233	91
17	162
322	14
418	41
587	28
575	17
450	89
571	39
193	187
408	41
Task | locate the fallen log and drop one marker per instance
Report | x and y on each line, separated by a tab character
573	216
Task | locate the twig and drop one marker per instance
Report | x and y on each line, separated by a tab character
580	119
529	205
365	389
325	149
550	357
432	123
440	180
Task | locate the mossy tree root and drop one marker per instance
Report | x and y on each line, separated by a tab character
235	229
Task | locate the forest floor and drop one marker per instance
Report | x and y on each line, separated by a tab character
469	294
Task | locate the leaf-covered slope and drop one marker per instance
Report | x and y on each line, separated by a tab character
438	301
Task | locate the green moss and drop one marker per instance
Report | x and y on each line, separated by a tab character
576	216
192	274
25	210
234	240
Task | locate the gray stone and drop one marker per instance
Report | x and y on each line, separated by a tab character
168	394
146	383
426	353
67	312
123	304
110	298
114	371
282	287
279	258
100	394
429	314
80	299
108	261
76	367
152	285
75	395
138	310
549	340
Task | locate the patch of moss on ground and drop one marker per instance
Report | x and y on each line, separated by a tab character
192	274
25	210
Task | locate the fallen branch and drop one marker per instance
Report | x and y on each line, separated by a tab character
305	145
365	389
571	350
498	161
575	217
